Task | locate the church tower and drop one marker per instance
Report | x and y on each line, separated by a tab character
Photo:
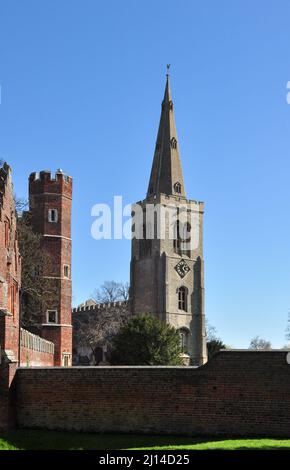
50	201
167	265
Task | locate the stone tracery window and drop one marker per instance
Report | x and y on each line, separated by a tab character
182	238
186	232
173	143
177	187
182	298
184	336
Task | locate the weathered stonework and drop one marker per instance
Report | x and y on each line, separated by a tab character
161	268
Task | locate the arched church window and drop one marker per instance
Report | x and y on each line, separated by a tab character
173	143
186	232
182	298
184	336
182	238
177	187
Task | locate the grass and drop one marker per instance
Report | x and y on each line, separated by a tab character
50	440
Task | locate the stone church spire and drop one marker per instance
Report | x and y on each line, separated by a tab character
166	173
167	269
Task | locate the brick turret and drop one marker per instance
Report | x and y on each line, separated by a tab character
50	201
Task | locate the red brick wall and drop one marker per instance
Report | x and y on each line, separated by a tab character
10	279
30	358
237	393
7	395
10	269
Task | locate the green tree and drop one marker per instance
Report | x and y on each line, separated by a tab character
144	341
213	342
214	346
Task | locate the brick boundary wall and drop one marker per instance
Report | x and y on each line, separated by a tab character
7	395
237	393
35	351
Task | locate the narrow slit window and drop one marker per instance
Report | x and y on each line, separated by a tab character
53	216
66	271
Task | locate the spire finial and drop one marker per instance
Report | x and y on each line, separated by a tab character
167	68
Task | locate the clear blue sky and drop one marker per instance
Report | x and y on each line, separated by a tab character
82	83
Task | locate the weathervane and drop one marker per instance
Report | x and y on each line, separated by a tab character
167	67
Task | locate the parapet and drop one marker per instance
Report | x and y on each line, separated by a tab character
163	198
47	175
101	306
47	182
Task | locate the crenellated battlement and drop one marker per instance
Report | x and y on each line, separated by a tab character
47	175
101	306
47	182
176	201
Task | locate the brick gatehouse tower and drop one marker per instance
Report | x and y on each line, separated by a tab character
50	201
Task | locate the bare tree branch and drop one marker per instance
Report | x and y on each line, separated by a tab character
111	291
21	204
36	289
96	328
258	343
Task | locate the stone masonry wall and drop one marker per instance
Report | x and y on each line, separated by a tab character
239	393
